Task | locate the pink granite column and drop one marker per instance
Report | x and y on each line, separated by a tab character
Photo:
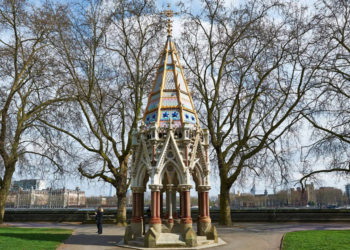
137	210
185	205
155	220
204	221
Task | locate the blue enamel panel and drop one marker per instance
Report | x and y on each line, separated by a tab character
189	117
151	117
170	113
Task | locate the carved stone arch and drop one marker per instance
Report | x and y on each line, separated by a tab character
179	173
198	175
141	174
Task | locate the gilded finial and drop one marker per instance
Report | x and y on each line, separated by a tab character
169	14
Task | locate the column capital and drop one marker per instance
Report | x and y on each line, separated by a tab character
170	187
184	187
155	187
203	188
138	189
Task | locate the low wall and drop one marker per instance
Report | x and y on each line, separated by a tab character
251	215
286	215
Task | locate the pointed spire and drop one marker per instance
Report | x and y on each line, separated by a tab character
170	96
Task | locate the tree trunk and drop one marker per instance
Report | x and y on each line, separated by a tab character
4	189
3	197
122	187
225	208
121	210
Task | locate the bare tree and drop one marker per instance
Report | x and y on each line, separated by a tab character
25	70
251	68
329	111
108	55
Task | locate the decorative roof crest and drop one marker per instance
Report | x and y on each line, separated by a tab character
169	14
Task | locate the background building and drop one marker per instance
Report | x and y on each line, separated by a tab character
34	194
28	184
324	197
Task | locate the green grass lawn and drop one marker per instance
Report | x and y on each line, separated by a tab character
32	238
317	239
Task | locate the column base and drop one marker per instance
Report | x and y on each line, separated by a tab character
155	221
129	234
170	225
137	228
190	237
212	234
185	226
151	237
203	227
157	227
186	220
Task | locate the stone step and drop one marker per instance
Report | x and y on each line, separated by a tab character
136	243
140	238
170	240
165	229
201	238
205	242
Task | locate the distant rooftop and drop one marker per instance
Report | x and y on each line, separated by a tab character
27	184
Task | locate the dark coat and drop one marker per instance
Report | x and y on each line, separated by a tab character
99	217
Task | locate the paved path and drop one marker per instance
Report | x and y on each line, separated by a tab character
241	236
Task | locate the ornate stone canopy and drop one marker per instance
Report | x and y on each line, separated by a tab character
170	150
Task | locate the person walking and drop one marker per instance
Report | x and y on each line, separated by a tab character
99	218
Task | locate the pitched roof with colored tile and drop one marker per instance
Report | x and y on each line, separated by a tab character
170	96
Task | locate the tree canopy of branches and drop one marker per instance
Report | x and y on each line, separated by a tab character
108	56
251	67
329	109
26	90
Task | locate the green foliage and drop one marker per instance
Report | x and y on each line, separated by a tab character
32	238
317	239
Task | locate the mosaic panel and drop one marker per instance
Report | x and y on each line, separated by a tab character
151	117
165	124
170	102
181	82
170	81
153	104
158	82
185	101
169	94
167	113
154	97
189	117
